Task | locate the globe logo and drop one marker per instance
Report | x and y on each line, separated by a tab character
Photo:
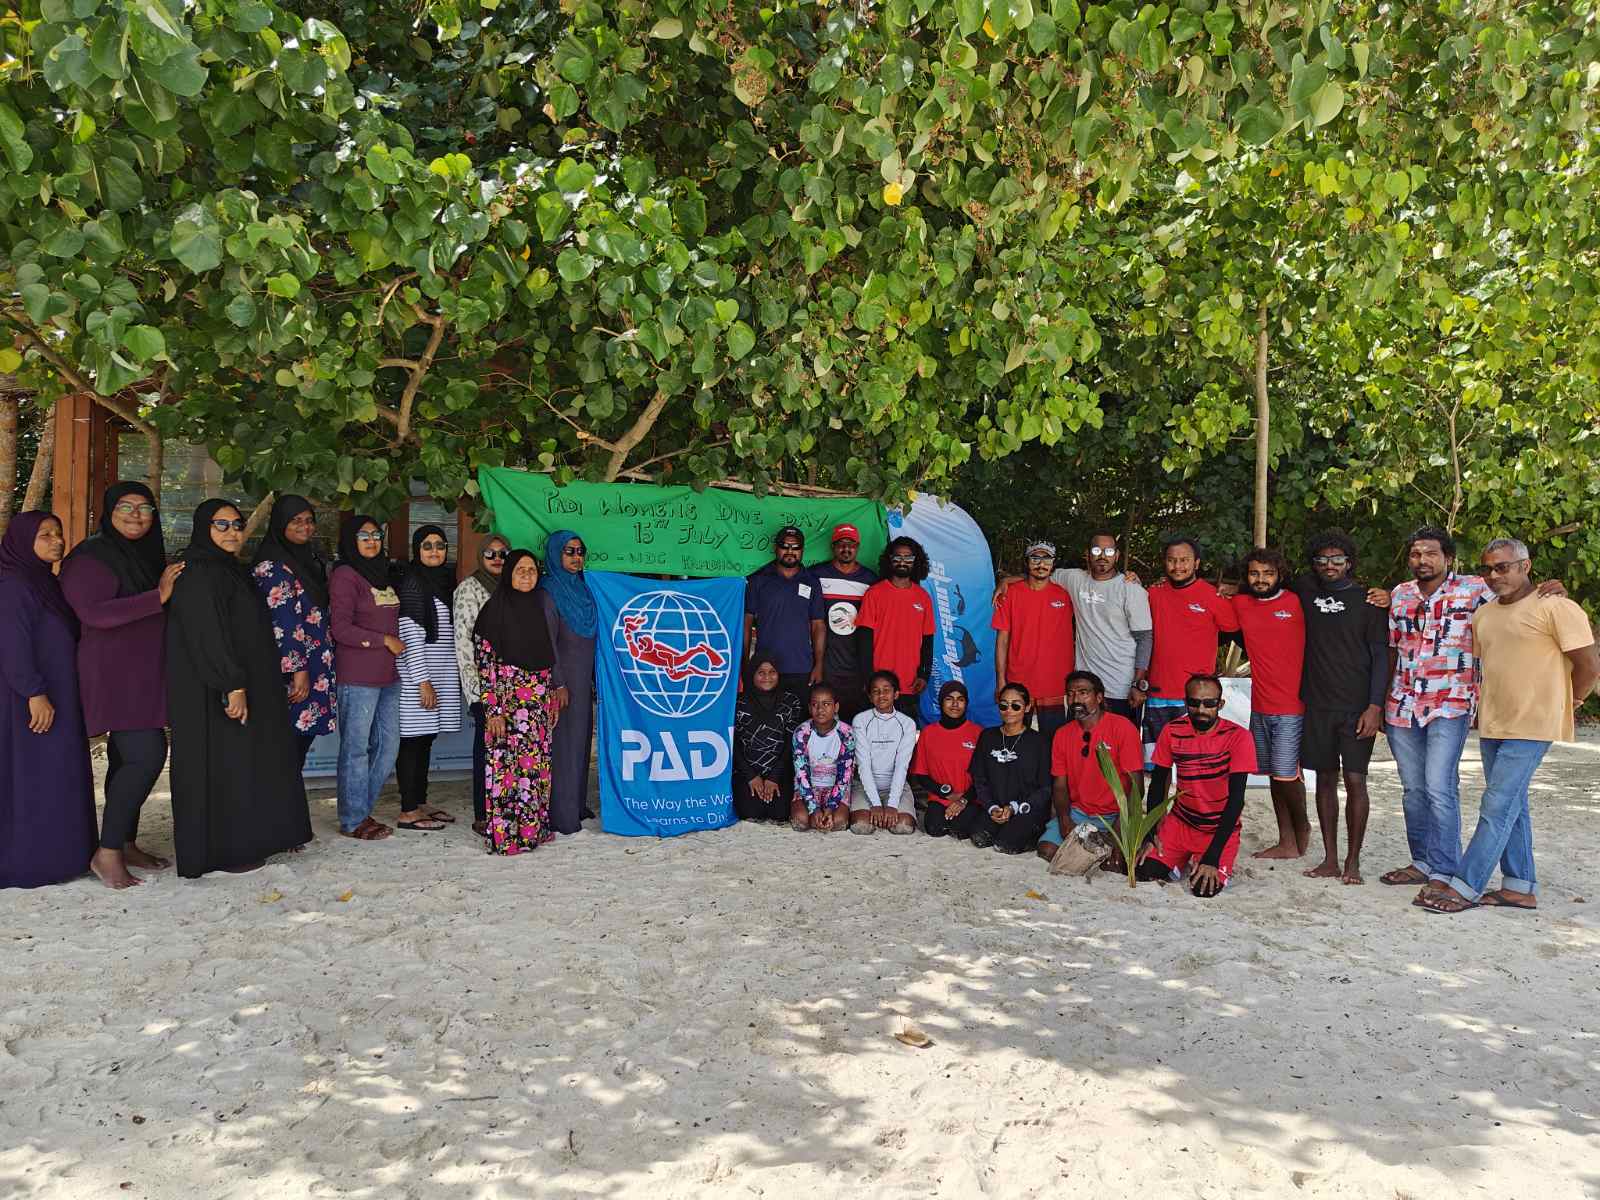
674	652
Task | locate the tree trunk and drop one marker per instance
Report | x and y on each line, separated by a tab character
156	464
258	514
1263	426
44	462
8	458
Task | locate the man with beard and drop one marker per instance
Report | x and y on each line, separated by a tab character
844	583
1187	615
1433	697
1212	759
783	614
895	622
1033	639
1343	685
1079	792
1272	630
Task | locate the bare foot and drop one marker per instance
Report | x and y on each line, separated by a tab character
1281	850
135	857
1324	870
110	870
1352	872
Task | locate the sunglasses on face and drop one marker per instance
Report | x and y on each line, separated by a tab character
222	526
435	546
1102	551
785	547
130	510
1329	560
369	536
1012	706
903	558
1203	702
1502	568
1033	558
496	555
574	551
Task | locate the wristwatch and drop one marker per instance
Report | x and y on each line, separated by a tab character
1141	685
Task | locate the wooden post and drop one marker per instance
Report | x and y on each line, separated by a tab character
468	543
399	534
85	463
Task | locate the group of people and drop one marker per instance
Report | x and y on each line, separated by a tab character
1088	657
247	665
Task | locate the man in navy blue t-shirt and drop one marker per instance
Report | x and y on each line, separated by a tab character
784	614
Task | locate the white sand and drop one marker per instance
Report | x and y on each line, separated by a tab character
712	1015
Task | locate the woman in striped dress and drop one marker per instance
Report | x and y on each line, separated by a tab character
430	682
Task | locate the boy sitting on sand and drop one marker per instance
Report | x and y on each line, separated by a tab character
824	766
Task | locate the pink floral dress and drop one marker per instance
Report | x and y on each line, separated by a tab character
517	767
304	644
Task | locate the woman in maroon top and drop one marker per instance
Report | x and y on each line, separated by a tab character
364	616
117	583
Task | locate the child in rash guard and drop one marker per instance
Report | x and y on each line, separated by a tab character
1010	780
763	744
942	765
885	741
1213	759
824	766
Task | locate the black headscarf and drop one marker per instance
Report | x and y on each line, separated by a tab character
421	585
763	702
136	562
307	565
376	570
513	622
490	582
202	551
953	687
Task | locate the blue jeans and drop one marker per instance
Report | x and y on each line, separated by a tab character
1504	836
1429	759
369	743
1052	831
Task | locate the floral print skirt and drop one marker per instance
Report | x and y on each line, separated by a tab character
517	768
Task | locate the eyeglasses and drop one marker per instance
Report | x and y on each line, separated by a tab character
495	555
131	510
1502	568
1329	560
1203	702
1041	558
1102	551
373	536
222	526
795	546
573	553
1012	706
435	545
905	558
304	518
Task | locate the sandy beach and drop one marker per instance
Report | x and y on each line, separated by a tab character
714	1015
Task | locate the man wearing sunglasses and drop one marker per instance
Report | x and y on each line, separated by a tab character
1343	685
1539	663
1033	638
1079	792
1212	759
784	614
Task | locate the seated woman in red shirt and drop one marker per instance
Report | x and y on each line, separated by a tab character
941	768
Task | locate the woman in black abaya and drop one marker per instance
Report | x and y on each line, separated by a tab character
237	795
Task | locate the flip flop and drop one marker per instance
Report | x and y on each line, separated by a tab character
1497	899
1401	876
1443	905
438	814
422	825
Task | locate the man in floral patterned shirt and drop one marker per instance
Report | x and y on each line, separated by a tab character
1433	698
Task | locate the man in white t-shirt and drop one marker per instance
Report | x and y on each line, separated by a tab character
1112	623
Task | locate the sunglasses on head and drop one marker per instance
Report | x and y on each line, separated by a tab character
222	526
1202	702
1012	706
496	555
129	510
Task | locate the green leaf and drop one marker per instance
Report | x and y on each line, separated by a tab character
574	176
67	63
741	339
10	360
1327	103
18	152
284	285
241	310
667	28
36	300
552	213
108	50
1306	79
1258	124
574	60
382	164
144	342
1041	33
250	17
63	243
197	244
574	265
182	74
969	13
727	310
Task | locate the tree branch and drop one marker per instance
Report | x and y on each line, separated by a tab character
258	514
418	371
44	460
623	446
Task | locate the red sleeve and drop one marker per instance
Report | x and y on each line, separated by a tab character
1162	756
867	614
1059	750
1002	612
927	623
1241	755
1130	750
1227	620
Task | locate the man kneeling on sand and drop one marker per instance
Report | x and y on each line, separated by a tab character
1213	759
824	766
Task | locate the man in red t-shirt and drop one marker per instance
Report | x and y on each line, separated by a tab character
941	765
1213	759
1187	616
895	622
1079	792
1272	630
1033	645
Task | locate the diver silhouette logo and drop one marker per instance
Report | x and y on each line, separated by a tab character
675	653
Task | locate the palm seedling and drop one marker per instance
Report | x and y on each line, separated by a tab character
1134	824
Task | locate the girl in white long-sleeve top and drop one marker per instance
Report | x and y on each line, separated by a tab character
881	798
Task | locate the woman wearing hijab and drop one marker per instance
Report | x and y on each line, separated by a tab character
117	583
471	595
763	743
237	795
523	693
46	788
574	628
942	765
364	614
430	681
293	579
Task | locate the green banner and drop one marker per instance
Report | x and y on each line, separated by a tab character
643	529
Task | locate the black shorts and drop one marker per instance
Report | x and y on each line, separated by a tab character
1328	742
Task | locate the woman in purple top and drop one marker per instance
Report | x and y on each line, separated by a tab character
364	614
46	790
118	583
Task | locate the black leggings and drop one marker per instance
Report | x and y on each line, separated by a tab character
134	758
749	808
411	770
1014	837
935	824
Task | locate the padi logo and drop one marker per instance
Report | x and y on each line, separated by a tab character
1328	604
674	651
1058	604
708	756
1197	608
1283	614
969	745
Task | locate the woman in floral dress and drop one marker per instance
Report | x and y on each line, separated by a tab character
523	694
293	578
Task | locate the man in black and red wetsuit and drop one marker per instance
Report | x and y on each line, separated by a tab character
1213	760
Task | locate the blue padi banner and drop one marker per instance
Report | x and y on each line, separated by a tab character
961	582
667	670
